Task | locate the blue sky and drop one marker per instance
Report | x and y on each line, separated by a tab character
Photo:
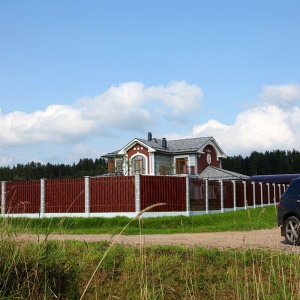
79	79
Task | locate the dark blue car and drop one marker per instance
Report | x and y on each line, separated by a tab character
288	213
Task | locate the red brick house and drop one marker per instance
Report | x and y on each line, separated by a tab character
155	156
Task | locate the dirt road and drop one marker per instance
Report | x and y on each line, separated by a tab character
263	239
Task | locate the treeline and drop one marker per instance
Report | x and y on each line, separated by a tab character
36	170
268	163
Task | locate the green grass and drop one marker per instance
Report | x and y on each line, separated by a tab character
62	269
259	218
101	270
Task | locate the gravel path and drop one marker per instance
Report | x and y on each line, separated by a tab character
263	239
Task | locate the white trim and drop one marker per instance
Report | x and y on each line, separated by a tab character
131	144
212	142
152	163
146	163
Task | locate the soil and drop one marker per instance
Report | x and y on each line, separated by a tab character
255	239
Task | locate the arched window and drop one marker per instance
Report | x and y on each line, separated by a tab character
138	165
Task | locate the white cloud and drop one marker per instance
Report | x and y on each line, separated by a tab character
180	97
123	107
281	95
259	129
57	123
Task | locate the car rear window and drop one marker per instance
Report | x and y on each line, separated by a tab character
294	188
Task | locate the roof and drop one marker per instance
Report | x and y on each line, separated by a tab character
213	173
188	145
279	178
110	154
182	145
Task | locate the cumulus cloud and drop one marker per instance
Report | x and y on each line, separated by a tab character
129	105
57	123
124	107
281	95
178	96
258	129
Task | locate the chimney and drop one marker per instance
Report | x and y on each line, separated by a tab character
149	136
164	143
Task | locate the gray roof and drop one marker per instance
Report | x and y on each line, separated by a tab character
188	145
110	154
175	146
213	173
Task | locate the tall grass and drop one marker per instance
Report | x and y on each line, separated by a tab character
103	270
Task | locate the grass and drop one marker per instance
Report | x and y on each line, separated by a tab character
259	218
102	270
61	269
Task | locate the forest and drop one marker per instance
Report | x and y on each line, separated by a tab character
268	163
36	170
257	163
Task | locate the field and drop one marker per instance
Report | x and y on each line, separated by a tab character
64	269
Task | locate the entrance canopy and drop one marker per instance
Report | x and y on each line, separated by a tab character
213	173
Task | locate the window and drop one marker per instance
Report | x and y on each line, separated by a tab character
119	165
138	165
181	165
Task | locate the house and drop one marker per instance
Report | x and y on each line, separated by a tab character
153	156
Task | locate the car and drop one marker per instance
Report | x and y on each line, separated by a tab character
288	213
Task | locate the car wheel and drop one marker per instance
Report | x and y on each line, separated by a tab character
291	230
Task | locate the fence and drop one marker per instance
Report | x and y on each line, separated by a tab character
128	195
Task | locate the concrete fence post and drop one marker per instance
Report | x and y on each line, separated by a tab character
87	205
3	197
254	198
245	194
137	179
222	195
187	188
274	187
261	194
268	185
234	194
206	197
42	203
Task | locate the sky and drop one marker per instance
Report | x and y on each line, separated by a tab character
79	79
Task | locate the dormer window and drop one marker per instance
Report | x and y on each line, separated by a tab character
138	165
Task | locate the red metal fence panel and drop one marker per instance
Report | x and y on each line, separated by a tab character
228	194
249	194
258	200
22	197
163	189
214	195
197	194
112	194
240	194
64	195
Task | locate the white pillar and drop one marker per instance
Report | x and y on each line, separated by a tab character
206	196
234	194
254	199
245	194
261	194
274	186
279	193
222	195
137	192
269	200
3	197
187	188
87	205
42	203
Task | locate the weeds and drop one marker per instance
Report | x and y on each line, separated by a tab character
103	270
